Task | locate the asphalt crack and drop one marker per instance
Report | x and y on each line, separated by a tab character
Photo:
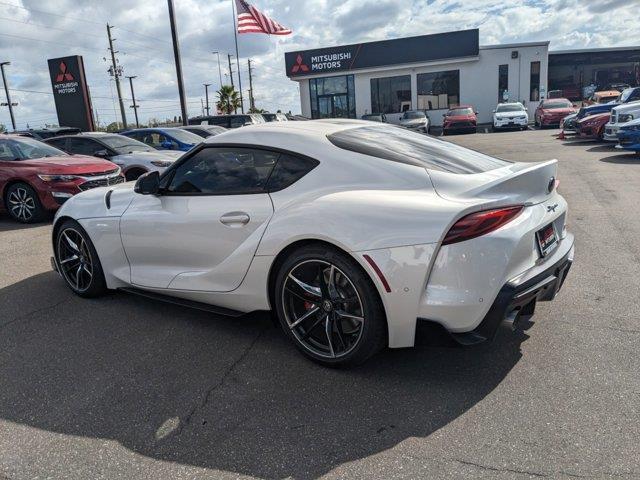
33	312
219	384
502	470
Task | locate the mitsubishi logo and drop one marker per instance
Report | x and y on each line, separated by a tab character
299	66
63	75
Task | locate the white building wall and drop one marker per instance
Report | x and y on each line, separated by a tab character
478	80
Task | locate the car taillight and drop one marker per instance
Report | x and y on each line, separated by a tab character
480	223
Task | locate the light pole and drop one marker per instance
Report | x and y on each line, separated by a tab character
133	98
176	54
6	91
219	69
206	96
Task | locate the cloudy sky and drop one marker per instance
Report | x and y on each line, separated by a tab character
31	31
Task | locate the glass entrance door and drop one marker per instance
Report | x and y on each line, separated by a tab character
333	106
325	106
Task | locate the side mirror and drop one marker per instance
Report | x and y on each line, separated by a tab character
247	124
491	112
476	113
167	145
148	183
444	114
101	154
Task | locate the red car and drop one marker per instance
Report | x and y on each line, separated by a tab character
593	125
552	111
462	118
36	178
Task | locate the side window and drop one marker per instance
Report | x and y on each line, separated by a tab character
219	171
635	95
6	154
83	146
238	121
222	121
289	170
60	143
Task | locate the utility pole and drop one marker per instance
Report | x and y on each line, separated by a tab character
206	96
116	73
133	98
6	91
252	104
219	69
230	71
176	54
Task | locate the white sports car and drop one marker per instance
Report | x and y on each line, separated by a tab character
354	233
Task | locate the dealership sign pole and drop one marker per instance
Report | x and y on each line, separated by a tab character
6	91
176	54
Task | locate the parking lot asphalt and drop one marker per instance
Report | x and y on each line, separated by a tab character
127	388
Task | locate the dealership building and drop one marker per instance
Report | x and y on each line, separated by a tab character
436	72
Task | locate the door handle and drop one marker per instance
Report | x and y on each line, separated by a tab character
235	218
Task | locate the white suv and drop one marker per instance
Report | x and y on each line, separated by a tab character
620	115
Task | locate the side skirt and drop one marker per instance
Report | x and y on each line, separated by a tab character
227	312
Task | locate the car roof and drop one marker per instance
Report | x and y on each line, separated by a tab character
461	106
607	93
548	100
510	103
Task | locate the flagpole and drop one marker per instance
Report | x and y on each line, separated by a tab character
235	35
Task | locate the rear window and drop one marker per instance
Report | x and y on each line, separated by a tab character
404	146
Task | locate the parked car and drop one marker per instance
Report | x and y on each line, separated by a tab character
165	138
627	96
462	118
422	225
274	117
44	133
551	112
620	115
132	156
36	178
416	120
604	96
593	125
229	121
618	86
510	115
569	124
205	131
375	117
629	136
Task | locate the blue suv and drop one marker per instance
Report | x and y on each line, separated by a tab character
627	95
169	138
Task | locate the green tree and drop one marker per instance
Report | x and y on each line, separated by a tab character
228	99
2	127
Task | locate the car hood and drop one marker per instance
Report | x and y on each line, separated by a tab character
167	155
598	117
521	113
413	121
92	203
558	111
459	118
71	164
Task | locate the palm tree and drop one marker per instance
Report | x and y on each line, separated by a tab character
228	99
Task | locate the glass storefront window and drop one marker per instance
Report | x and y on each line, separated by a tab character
534	82
332	97
503	83
438	90
391	94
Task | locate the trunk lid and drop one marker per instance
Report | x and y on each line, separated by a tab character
517	183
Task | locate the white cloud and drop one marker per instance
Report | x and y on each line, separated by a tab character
42	30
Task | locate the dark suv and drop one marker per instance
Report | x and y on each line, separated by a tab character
228	121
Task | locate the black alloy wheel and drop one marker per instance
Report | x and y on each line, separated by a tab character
329	307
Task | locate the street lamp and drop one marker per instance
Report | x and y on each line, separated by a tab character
206	96
6	91
219	69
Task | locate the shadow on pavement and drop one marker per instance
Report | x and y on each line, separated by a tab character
607	147
7	223
228	394
627	159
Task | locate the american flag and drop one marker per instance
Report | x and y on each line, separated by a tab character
252	20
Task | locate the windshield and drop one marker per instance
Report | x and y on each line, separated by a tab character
122	144
553	105
413	115
624	96
184	136
401	145
460	111
510	108
26	149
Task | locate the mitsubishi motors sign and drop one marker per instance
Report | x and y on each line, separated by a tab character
425	48
70	92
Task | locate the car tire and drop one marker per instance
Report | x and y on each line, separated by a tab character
23	204
78	261
329	307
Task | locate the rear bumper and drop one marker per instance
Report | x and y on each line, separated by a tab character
517	299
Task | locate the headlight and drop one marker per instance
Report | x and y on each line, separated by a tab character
57	178
161	163
625	117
